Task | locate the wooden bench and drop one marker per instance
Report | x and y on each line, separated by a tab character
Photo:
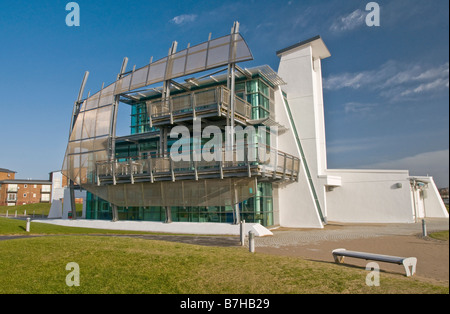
407	262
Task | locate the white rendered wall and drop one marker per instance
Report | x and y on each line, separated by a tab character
433	206
66	203
360	196
303	75
57	195
294	201
371	196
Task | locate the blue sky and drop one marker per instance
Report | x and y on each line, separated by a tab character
386	89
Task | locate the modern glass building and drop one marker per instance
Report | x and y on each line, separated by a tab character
135	177
210	141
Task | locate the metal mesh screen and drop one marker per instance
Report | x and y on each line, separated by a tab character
88	141
212	54
211	192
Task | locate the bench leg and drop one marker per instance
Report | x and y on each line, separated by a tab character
410	262
338	259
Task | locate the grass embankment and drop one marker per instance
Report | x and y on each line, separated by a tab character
18	227
130	265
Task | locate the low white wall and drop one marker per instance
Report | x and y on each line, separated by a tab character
370	196
172	228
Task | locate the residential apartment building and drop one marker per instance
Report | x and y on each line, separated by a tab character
22	192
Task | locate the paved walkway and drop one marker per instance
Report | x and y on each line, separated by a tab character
339	231
390	239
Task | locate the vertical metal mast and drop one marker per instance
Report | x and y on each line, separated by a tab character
232	85
232	75
112	136
168	104
75	112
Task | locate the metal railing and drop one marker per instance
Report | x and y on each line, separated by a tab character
252	160
197	102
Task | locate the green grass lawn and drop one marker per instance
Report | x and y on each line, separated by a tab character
442	235
36	265
10	226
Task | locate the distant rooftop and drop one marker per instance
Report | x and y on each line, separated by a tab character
25	181
6	170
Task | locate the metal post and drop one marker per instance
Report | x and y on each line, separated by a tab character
232	105
251	242
424	228
231	83
115	213
76	111
168	215
7	213
28	224
73	205
237	214
242	232
15	214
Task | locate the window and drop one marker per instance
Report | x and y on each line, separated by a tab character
24	194
25	186
260	96
46	188
45	198
12	197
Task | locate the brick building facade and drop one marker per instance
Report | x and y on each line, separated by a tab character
21	192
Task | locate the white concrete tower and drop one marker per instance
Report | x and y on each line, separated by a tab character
300	68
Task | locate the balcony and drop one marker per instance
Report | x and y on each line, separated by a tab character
46	189
268	164
12	188
210	102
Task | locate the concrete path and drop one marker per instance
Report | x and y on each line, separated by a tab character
389	239
336	232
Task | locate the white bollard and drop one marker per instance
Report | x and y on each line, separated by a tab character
28	224
251	242
7	213
242	229
15	215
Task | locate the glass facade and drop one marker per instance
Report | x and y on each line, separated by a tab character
257	209
139	119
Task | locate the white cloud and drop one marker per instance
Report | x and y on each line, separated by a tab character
436	84
394	80
359	108
349	22
435	164
352	145
185	18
